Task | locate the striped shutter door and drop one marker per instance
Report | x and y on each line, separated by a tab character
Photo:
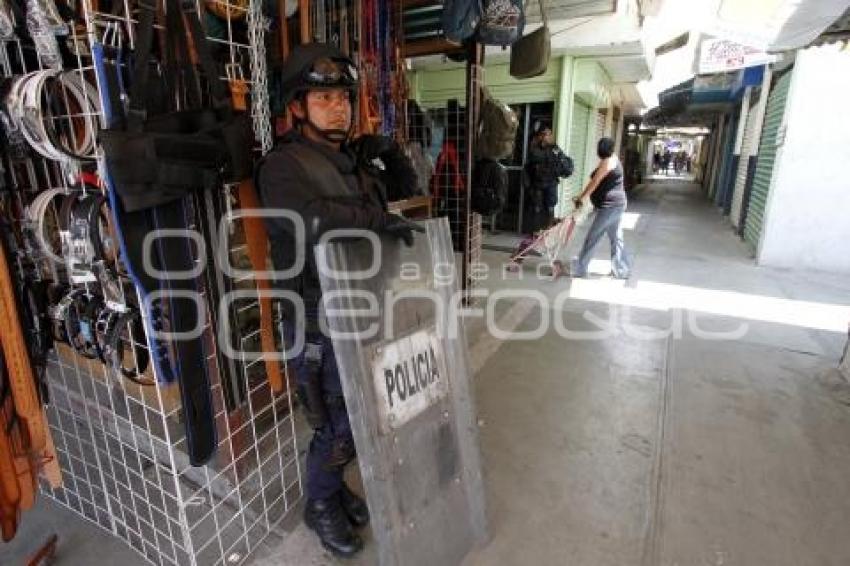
600	126
741	177
578	147
767	158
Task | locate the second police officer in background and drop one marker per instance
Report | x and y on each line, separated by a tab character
316	172
547	164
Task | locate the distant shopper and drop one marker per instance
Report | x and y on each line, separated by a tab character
608	196
656	161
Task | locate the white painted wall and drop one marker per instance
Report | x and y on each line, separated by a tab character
807	221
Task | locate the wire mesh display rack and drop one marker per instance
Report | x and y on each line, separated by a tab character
455	129
121	445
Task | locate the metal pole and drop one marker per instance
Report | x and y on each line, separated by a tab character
474	61
525	140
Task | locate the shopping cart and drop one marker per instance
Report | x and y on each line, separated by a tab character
549	243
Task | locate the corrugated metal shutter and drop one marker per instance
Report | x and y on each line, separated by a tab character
600	125
766	160
741	177
723	150
578	145
722	183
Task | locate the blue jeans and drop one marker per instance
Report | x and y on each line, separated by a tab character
607	221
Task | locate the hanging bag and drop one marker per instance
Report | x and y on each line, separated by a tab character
497	129
460	19
530	54
489	187
502	22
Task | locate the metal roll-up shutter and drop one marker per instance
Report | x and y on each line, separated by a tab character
723	156
725	150
578	147
741	176
766	161
600	125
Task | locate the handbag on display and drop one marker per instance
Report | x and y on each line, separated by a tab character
502	22
497	129
530	54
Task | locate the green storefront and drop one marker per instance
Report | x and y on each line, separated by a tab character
578	88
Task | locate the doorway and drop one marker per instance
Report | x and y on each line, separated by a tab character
509	220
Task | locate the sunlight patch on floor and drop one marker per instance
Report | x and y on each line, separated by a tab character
664	296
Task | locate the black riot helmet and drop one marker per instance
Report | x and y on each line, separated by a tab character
316	66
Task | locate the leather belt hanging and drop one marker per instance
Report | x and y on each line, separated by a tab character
56	112
96	331
257	242
21	375
37	213
16	477
115	344
86	235
25	443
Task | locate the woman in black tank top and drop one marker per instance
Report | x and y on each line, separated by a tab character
608	196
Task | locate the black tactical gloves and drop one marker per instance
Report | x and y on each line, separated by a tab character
369	147
386	158
402	228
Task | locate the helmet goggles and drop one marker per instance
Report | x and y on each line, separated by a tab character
331	73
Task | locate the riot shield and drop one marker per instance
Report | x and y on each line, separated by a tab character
393	314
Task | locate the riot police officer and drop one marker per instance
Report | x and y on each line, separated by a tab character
314	172
546	165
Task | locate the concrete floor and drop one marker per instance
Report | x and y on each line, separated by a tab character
703	428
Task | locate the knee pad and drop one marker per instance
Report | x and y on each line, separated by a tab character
342	452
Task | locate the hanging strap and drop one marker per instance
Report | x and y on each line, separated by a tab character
448	159
258	246
141	68
21	375
175	39
10	490
33	447
543	16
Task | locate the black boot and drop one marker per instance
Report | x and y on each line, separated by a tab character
327	518
355	508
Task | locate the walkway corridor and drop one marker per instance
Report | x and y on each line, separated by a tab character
699	430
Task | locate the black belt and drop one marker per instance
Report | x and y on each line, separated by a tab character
96	331
84	225
175	313
114	344
209	210
80	314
